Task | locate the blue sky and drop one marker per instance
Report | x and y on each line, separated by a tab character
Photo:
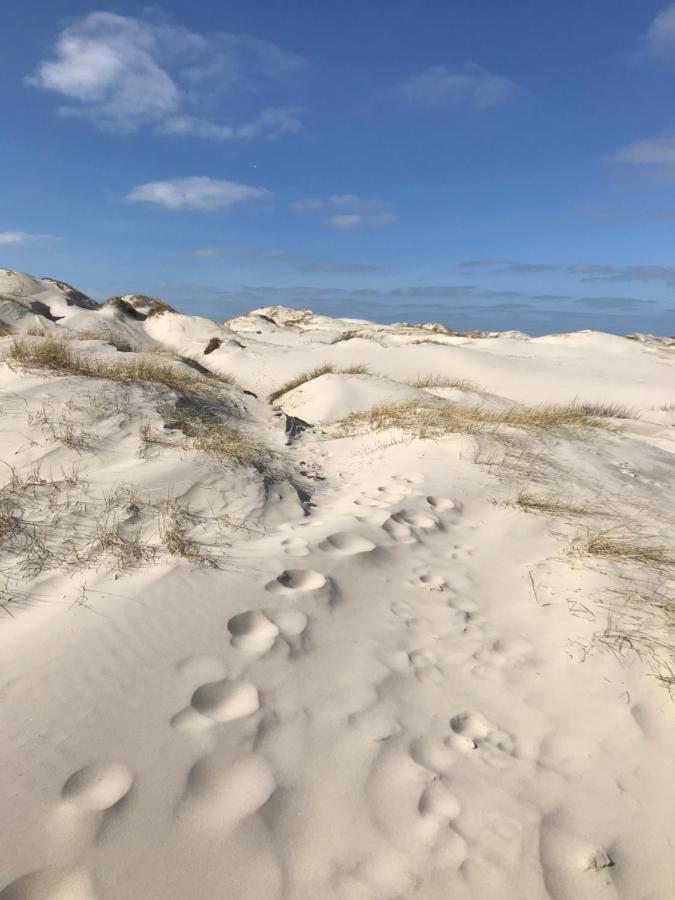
483	164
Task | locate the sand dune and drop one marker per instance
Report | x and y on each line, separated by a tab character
423	649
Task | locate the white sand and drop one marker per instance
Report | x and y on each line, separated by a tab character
410	687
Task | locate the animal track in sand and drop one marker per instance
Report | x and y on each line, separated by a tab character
295	547
398	531
252	632
226	700
290	622
438	802
433	754
227	791
50	884
98	787
298	580
442	504
344	543
472	731
433	582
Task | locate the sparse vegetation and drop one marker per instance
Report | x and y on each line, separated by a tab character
311	374
5	329
57	355
174	530
614	544
428	420
125	551
553	504
227	443
441	381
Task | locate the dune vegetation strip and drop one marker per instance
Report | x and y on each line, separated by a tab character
431	381
427	419
311	374
56	355
621	546
552	504
228	443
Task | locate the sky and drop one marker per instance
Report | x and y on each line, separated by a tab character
471	162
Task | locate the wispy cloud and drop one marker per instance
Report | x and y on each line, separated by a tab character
656	151
197	192
298	261
469	86
502	267
124	73
664	274
21	237
348	211
660	37
586	271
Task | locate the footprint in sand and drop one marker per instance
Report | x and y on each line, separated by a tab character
432	582
225	792
443	504
434	754
50	884
472	731
344	543
98	787
398	530
439	803
295	547
256	631
226	700
252	632
297	580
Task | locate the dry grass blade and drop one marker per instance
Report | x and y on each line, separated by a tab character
548	503
173	532
442	381
311	374
125	551
226	443
610	544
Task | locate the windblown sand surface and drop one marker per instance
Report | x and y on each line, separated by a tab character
423	649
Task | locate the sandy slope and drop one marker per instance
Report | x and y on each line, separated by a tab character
405	686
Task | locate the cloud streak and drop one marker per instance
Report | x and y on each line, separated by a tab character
469	86
298	261
197	192
348	211
124	73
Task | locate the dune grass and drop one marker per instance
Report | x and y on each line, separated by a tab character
56	355
435	419
311	374
612	544
227	443
553	504
442	381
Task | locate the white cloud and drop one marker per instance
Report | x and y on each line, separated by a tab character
14	237
660	37
354	210
656	151
21	237
124	73
345	222
470	86
271	123
197	192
